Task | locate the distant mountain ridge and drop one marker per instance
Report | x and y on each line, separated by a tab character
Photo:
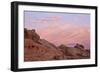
38	49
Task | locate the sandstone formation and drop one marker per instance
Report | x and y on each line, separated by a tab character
74	52
38	49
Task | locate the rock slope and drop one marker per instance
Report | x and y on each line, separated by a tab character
37	49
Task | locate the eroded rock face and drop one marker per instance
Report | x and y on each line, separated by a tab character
31	34
47	44
79	46
77	52
38	52
37	49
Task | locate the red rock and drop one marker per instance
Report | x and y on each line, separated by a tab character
37	49
36	52
31	34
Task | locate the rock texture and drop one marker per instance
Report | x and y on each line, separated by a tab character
74	52
31	34
37	49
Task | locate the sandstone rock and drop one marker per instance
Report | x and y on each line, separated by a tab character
47	44
31	34
79	46
26	33
77	52
37	52
37	49
62	46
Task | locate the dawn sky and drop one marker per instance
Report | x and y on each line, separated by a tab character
60	28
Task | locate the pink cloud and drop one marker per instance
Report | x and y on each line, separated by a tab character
65	34
58	33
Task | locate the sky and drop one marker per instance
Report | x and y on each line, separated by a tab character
60	28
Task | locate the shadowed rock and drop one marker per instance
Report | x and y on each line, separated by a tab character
79	46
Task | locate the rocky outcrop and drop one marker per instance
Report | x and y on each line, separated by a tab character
77	52
47	44
37	49
31	34
79	46
38	52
